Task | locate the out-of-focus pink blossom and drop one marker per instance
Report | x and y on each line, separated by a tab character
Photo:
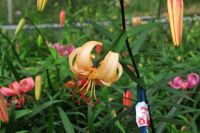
176	83
191	81
17	88
63	50
16	91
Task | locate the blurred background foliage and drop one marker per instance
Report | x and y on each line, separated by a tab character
173	111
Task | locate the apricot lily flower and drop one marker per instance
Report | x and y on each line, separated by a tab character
109	70
175	12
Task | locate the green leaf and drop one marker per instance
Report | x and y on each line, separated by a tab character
50	125
66	122
22	132
21	113
54	52
139	42
117	123
90	120
170	120
101	29
39	108
141	28
178	93
170	115
120	43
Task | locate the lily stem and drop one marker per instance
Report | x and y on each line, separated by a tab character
127	42
140	90
44	41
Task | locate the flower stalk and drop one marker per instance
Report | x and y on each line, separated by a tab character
140	90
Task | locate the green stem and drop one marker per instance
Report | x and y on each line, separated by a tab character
12	47
127	42
43	39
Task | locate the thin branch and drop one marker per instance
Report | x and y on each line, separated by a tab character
127	42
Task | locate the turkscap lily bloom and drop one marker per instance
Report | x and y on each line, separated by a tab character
175	12
17	88
108	71
16	91
192	81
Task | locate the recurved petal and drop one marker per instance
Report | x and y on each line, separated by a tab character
84	57
81	59
72	57
8	92
109	70
26	84
15	86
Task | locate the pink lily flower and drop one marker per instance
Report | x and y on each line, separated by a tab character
18	88
64	50
179	83
176	82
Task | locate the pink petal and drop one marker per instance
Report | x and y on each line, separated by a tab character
27	85
70	48
184	85
176	83
67	50
56	46
8	92
193	80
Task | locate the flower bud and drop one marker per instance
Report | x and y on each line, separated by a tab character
38	86
41	5
20	25
62	18
136	21
175	12
127	99
39	41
